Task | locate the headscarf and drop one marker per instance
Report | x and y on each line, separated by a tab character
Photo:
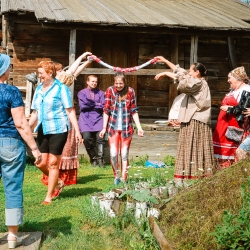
239	74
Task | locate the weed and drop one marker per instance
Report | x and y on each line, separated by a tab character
139	161
234	231
142	195
169	160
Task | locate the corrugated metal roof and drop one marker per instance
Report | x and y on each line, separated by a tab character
203	14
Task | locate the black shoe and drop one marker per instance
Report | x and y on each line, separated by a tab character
94	163
100	163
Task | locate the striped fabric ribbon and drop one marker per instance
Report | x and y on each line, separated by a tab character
118	69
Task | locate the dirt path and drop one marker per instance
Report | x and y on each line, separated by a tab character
153	143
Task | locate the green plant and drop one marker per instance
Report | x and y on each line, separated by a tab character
139	161
234	231
142	195
169	160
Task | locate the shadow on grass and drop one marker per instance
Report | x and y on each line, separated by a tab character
76	192
49	228
90	178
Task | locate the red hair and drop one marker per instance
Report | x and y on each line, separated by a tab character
49	67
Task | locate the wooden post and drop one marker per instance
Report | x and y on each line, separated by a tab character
4	33
133	60
88	48
173	92
72	56
29	86
232	53
194	49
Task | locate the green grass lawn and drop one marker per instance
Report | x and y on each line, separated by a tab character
71	222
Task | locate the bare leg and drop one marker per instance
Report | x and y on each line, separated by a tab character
43	166
241	154
53	166
13	230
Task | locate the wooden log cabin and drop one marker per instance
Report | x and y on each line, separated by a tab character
128	33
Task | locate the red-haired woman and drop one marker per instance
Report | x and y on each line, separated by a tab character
52	109
69	163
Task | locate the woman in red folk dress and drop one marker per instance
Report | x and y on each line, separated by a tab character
225	148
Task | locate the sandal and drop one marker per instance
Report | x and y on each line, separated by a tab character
14	243
46	203
58	190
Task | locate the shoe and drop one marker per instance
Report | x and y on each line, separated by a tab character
117	181
14	243
58	190
46	202
94	163
100	163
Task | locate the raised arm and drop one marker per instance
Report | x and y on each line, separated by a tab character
72	69
164	60
163	74
81	68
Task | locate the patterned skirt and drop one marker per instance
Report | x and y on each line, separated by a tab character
195	155
69	161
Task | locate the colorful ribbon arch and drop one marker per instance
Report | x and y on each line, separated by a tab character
118	69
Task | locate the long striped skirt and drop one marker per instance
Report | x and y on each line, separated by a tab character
69	163
195	156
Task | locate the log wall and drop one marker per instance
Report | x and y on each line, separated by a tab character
29	43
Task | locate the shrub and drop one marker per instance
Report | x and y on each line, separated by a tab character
169	160
234	231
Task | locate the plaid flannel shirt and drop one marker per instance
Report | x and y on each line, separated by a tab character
111	109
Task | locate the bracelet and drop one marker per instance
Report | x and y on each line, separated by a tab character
32	149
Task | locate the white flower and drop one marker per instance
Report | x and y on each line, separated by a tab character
158	154
245	169
200	169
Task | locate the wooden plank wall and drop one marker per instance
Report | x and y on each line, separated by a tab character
29	43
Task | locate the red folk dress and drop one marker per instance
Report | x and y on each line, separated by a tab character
224	148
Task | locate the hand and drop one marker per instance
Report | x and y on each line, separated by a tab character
140	132
85	54
225	107
161	59
159	76
38	156
102	133
246	112
174	122
79	139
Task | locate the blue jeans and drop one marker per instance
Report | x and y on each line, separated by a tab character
245	145
12	165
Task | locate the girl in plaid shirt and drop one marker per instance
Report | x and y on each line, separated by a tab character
119	109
